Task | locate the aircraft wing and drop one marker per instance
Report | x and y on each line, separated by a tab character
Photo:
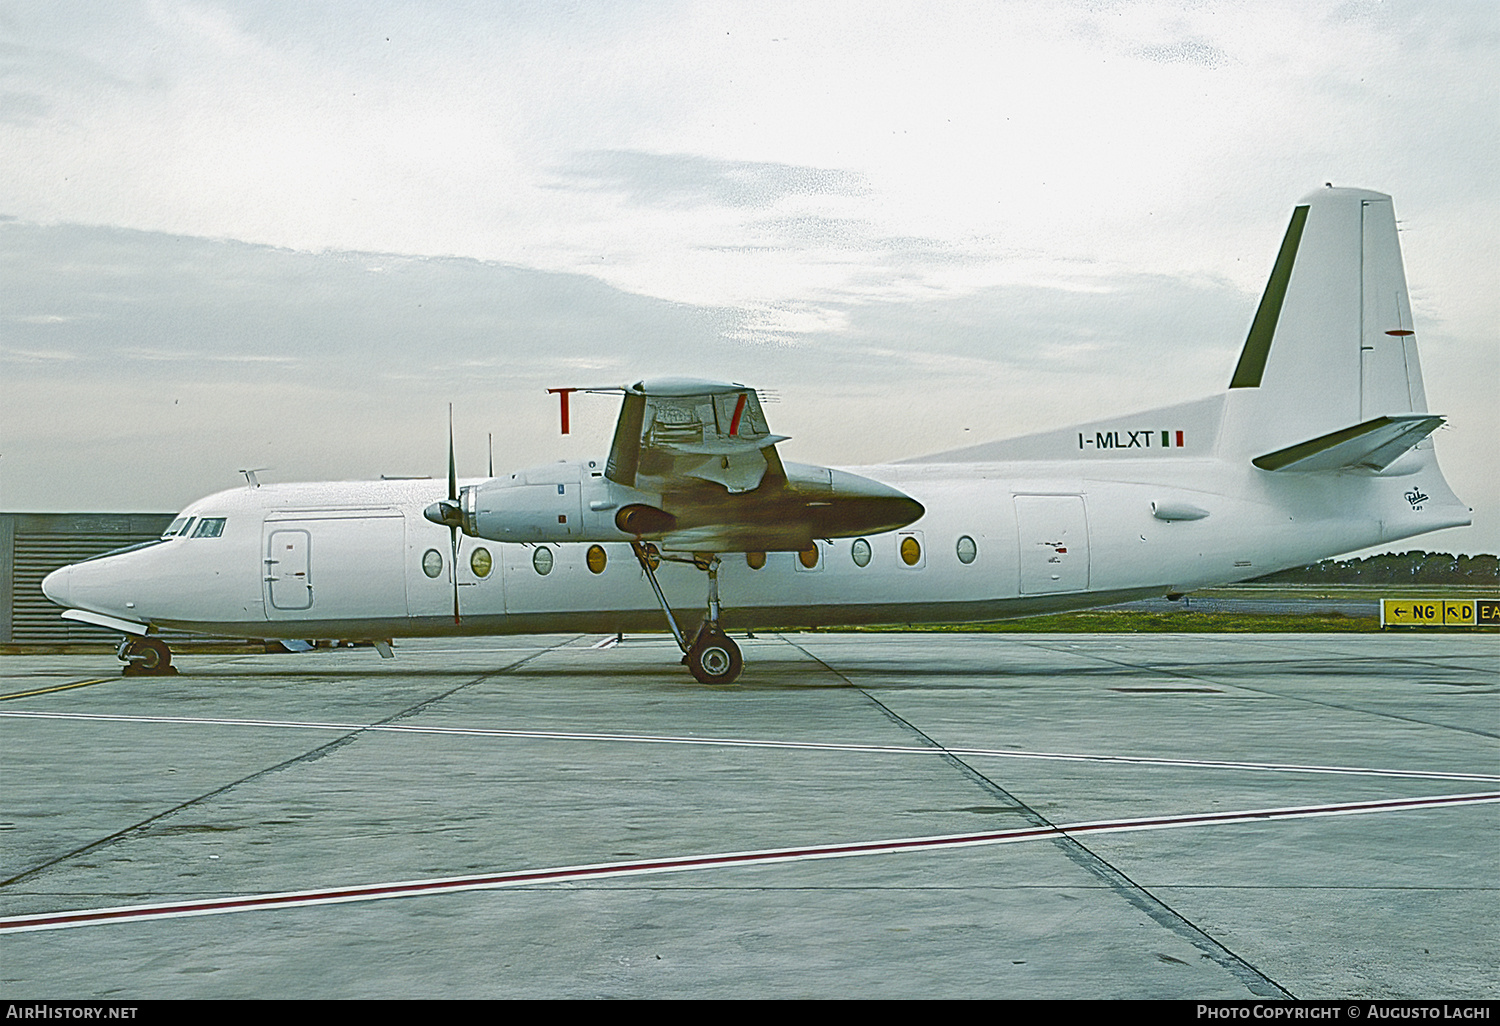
702	473
694	468
675	430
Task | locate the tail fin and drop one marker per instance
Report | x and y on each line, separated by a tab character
1332	349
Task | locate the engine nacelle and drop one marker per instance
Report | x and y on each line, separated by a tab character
575	502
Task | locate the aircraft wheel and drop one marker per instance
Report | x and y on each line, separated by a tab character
715	659
149	656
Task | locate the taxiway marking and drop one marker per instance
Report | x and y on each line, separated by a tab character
59	687
676	864
734	742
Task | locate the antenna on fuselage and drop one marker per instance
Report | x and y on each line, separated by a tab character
250	478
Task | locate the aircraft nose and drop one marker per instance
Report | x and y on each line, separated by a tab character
57	585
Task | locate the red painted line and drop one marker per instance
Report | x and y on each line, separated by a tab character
734	422
448	885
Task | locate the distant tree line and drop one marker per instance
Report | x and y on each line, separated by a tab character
1402	568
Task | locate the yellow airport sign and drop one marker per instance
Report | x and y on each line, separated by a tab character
1439	612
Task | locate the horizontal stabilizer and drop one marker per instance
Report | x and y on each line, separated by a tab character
1373	445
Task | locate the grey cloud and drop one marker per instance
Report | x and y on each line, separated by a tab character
686	180
125	298
125	304
1186	51
1137	319
23	108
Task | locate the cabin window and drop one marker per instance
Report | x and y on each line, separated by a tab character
432	562
541	560
755	560
911	550
810	557
210	527
480	562
967	550
860	552
596	559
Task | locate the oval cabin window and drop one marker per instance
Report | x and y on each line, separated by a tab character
967	550
596	559
860	552
541	560
432	562
481	562
911	551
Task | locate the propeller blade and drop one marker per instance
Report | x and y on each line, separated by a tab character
454	532
452	466
450	512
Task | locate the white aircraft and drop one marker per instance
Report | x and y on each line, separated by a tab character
1320	446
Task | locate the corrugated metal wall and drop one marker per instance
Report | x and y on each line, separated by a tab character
32	545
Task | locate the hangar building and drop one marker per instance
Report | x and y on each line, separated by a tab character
32	545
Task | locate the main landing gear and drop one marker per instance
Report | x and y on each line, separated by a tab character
711	655
145	657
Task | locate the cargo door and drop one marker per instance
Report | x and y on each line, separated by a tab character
288	586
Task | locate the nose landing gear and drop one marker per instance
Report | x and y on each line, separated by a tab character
712	655
145	657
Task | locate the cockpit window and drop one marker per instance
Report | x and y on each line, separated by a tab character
210	527
174	527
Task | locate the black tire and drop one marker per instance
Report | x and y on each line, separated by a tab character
152	656
715	658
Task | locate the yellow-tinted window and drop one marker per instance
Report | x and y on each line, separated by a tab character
911	551
755	560
809	556
596	559
480	562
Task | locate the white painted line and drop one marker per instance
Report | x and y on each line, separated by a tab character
732	742
674	864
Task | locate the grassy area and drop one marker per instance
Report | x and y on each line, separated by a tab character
1109	621
1349	591
1112	621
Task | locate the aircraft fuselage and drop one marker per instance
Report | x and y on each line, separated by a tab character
358	560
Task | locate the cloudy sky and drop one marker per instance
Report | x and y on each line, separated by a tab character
286	235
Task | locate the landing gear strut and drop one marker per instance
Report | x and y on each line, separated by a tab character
711	655
145	657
